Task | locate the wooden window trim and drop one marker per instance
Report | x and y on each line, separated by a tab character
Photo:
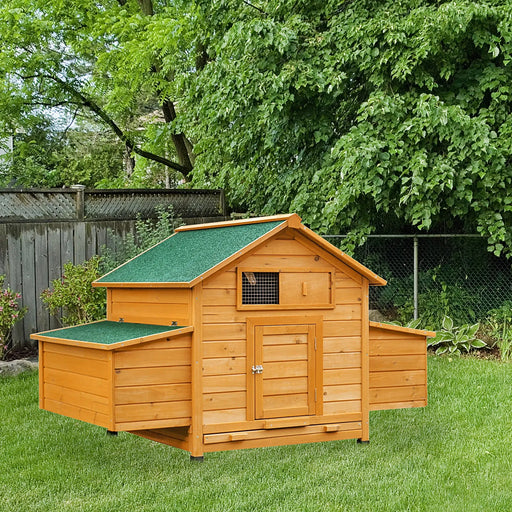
265	307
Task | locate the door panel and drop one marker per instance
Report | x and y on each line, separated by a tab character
286	386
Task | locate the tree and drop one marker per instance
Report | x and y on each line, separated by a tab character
360	115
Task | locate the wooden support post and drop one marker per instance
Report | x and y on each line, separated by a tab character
80	201
196	427
365	362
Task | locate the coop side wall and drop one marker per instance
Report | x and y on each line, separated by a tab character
398	369
76	382
152	385
225	343
159	306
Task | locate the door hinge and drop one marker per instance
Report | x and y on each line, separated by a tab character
315	343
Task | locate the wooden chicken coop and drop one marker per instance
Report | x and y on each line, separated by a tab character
230	335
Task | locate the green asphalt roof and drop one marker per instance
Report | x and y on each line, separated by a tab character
107	332
188	254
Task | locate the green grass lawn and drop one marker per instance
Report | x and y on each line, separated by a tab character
454	455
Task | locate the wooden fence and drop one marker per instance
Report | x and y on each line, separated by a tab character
41	230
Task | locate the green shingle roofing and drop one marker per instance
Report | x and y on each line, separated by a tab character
107	332
188	254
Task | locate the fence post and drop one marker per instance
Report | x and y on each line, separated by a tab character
80	201
415	279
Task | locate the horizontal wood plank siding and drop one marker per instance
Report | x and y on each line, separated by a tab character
225	332
150	306
152	384
398	369
76	382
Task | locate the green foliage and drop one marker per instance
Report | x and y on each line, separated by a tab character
452	340
147	233
499	322
10	313
80	302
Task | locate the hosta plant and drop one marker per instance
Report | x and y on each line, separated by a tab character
453	340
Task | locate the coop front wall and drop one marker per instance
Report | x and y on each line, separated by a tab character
225	351
159	306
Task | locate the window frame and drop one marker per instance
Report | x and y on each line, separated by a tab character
258	307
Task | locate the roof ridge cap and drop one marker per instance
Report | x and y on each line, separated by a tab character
290	218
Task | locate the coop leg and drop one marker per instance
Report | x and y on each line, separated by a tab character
197	459
360	441
111	433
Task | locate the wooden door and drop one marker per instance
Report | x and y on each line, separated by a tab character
283	370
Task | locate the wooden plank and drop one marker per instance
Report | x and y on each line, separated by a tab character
346	406
291	369
342	344
54	263
224	332
66	241
180	341
284	248
345	376
152	411
224	416
399	378
284	386
148	376
299	420
29	275
298	402
398	347
152	295
342	392
284	262
302	288
221	401
14	278
223	280
349	295
342	328
158	314
78	413
220	297
79	243
149	358
152	424
341	361
41	275
80	399
165	436
77	382
224	366
79	352
281	432
298	352
81	366
4	263
41	386
152	393
216	349
397	394
224	383
394	363
285	440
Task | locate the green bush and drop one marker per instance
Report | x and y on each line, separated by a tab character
10	313
499	327
73	292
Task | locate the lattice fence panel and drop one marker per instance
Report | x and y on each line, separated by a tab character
34	205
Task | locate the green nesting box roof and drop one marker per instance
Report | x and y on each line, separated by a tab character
188	254
107	332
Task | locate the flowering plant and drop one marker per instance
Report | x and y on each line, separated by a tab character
10	313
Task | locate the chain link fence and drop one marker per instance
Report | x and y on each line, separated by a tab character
430	276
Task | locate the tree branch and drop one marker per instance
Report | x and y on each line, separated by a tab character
255	7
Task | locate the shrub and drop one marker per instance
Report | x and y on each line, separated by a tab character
451	339
10	313
73	292
499	324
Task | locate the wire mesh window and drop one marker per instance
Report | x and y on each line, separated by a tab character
260	288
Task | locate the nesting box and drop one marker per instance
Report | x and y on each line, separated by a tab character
239	334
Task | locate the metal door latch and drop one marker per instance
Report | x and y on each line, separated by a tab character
257	369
